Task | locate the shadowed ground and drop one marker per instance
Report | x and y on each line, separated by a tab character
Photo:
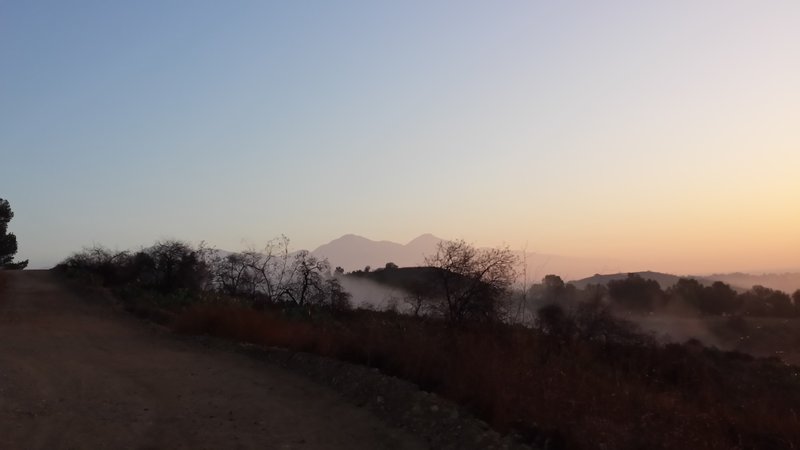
75	373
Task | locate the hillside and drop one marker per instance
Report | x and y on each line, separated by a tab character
786	282
664	279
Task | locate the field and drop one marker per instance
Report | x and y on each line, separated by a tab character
572	394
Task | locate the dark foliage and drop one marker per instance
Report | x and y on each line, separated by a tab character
472	282
636	293
175	274
763	301
167	267
639	295
8	241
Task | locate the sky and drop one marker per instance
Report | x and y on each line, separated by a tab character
664	133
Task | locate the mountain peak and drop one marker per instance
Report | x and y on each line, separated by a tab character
354	252
424	240
351	237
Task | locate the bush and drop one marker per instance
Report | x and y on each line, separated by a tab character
170	268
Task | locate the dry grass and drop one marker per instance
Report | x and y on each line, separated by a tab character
582	394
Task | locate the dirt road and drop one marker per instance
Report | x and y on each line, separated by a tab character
77	374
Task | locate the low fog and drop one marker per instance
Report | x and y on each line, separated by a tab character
367	294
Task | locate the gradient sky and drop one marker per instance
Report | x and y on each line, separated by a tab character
666	133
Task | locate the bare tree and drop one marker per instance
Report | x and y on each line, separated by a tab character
266	274
310	274
276	275
229	272
416	301
272	268
472	282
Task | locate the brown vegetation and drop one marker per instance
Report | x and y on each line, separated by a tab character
583	394
579	378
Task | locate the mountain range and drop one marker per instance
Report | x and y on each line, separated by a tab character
786	282
353	252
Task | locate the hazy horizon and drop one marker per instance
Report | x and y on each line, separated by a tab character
578	266
663	135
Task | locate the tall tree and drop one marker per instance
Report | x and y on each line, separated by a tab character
472	281
8	241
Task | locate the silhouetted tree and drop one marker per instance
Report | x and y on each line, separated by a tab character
272	270
720	298
391	265
553	287
274	275
763	301
309	279
8	241
595	293
416	300
553	290
635	293
553	320
112	268
338	298
167	267
472	282
594	321
688	291
231	274
420	295
178	266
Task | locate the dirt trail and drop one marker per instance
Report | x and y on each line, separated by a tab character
75	374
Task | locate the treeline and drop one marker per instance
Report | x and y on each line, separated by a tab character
464	285
175	273
688	296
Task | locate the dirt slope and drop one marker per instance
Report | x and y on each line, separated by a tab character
75	373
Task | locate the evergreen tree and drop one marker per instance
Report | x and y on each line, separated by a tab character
8	241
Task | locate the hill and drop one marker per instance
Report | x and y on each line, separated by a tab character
786	282
664	279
